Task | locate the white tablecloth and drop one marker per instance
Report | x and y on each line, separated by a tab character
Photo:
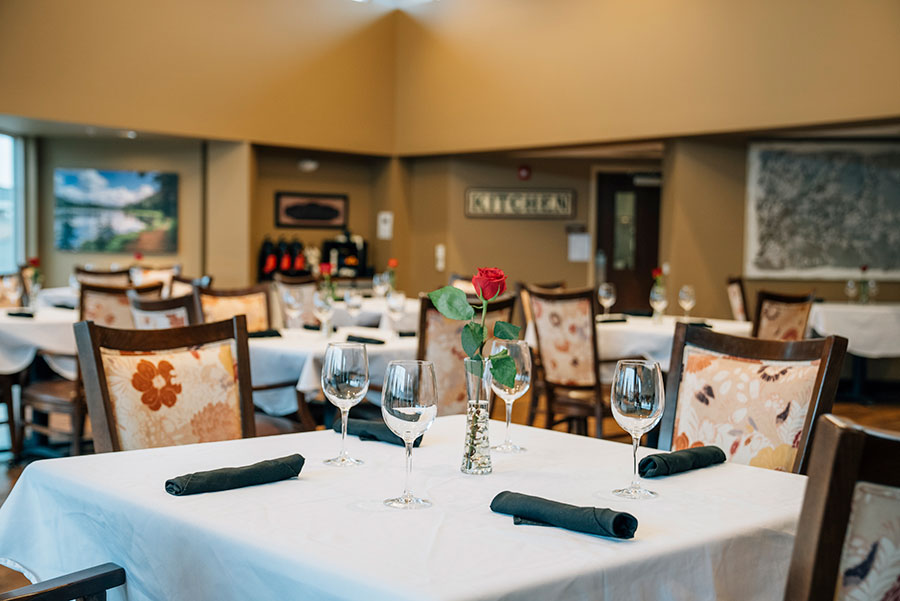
643	337
298	355
871	330
50	331
64	295
724	532
374	313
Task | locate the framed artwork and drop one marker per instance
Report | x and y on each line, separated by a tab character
310	210
821	210
115	211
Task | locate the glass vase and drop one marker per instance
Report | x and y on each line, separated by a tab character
863	292
477	451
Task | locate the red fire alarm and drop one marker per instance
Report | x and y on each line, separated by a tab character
524	172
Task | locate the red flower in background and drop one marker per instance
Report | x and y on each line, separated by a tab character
864	268
489	282
34	262
138	256
325	268
656	273
392	263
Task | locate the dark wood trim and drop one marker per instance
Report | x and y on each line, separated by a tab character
90	584
830	352
163	305
102	273
764	296
91	337
263	288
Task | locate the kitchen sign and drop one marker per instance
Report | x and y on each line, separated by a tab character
520	203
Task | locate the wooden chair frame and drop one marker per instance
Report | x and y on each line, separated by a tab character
188	303
17	274
91	337
843	454
90	584
295	280
93	273
791	299
229	292
829	351
554	387
740	282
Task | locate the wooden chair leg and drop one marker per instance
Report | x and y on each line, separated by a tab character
536	392
598	431
304	415
78	417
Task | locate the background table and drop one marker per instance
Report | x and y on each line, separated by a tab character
872	330
62	295
725	532
49	331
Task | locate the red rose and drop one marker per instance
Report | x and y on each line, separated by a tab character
656	273
325	268
34	262
864	268
392	263
489	282
138	256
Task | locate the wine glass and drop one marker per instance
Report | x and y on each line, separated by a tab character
396	305
293	305
658	300
606	293
409	406
381	283
873	289
345	382
354	301
521	354
687	298
851	290
637	401
323	309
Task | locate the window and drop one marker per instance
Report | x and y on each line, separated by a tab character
12	243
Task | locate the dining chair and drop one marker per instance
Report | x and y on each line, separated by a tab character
89	584
221	303
847	545
538	385
737	297
782	316
463	282
439	342
156	388
110	305
183	285
144	275
110	277
757	400
159	314
301	289
12	290
26	273
566	334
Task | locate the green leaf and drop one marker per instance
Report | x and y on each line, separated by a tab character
504	371
506	331
452	303
501	353
472	334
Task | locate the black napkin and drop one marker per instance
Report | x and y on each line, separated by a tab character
372	430
226	478
612	320
663	464
537	511
316	327
364	339
409	334
264	334
64	306
700	324
25	314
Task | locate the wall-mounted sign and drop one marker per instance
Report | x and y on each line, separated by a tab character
520	203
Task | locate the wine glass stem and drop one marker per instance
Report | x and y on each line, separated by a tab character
406	493
605	311
508	421
635	442
345	415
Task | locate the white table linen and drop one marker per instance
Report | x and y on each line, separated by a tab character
374	313
725	532
63	295
644	337
872	330
49	331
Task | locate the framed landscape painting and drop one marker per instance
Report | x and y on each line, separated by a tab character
310	210
115	211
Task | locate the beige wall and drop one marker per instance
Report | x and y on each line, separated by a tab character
476	74
311	73
181	157
230	176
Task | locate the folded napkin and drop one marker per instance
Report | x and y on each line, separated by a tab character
25	314
269	470
264	334
64	306
663	464
364	339
372	430
537	511
612	320
316	327
700	324
409	334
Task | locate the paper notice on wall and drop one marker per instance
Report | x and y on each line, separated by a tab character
579	247
385	227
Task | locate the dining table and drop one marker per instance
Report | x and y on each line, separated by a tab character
723	532
48	330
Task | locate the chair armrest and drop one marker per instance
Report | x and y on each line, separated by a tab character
91	583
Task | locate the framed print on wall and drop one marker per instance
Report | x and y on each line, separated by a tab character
310	210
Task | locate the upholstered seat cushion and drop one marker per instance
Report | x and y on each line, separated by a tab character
783	321
254	306
176	317
565	333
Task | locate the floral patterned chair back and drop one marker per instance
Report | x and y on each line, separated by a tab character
735	289
253	302
781	317
12	291
175	312
302	295
109	306
147	275
439	342
152	391
848	539
119	278
566	338
756	400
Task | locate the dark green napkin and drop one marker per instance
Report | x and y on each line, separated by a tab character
364	339
372	430
410	334
316	327
64	306
25	314
663	464
226	478
700	324
537	511
264	334
613	320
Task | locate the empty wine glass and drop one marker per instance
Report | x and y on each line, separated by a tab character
851	290
687	298
637	400
873	289
521	354
345	382
323	309
381	283
409	406
396	305
658	300
354	301
293	305
606	293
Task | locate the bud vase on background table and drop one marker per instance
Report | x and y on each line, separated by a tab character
477	451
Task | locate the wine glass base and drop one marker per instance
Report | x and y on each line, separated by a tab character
634	492
408	502
508	448
343	461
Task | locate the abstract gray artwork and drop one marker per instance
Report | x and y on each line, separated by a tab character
822	210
